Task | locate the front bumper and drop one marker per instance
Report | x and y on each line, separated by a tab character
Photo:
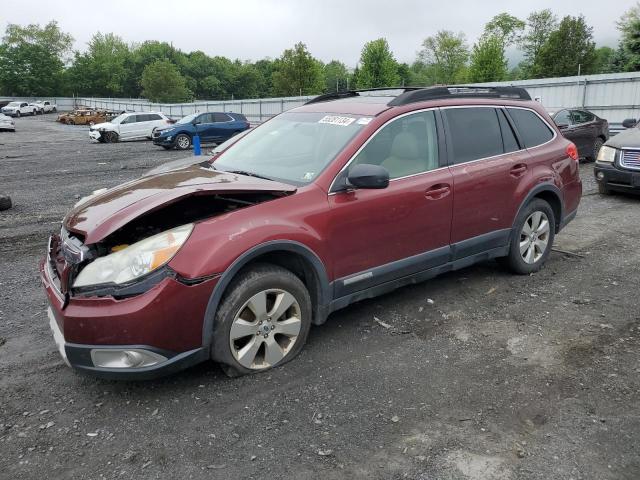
10	113
166	322
94	134
8	127
617	179
168	141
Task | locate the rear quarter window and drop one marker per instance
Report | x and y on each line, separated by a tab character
532	129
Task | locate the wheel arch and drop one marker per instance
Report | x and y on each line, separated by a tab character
294	256
552	195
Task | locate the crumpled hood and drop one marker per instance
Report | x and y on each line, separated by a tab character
629	138
99	216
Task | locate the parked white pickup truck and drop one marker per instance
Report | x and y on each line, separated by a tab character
45	106
129	126
17	109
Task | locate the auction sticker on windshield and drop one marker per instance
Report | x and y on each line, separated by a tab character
336	120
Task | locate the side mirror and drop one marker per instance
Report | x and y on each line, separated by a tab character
369	176
629	123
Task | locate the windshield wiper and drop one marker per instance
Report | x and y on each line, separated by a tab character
248	174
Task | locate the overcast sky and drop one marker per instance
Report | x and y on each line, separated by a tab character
332	29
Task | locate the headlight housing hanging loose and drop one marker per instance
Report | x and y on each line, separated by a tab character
134	261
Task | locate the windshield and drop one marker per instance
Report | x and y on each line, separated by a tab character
226	144
293	147
188	118
14	104
119	118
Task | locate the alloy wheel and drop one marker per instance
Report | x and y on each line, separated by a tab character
534	237
265	329
183	142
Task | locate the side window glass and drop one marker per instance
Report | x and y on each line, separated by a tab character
131	119
406	146
563	118
509	141
532	129
475	133
208	118
221	117
581	116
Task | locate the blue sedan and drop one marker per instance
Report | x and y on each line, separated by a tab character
211	127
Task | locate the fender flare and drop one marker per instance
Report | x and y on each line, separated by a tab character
324	290
543	187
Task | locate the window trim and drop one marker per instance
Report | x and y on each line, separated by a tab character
442	148
515	127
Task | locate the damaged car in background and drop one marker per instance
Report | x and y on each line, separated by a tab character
342	199
129	126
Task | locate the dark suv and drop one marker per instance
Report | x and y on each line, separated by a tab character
211	127
347	197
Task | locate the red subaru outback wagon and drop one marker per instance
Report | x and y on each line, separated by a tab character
347	197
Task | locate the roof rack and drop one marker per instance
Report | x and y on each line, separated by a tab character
327	97
459	91
423	94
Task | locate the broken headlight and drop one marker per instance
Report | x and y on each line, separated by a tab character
135	260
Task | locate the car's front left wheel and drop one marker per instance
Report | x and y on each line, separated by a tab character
183	141
262	322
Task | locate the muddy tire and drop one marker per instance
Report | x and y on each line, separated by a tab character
110	137
532	238
262	322
603	189
5	202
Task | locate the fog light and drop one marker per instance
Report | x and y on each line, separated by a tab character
600	176
130	358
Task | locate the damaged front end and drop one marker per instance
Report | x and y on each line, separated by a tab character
118	242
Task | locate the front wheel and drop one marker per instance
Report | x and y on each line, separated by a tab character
183	141
54	109
597	145
532	238
18	114
262	322
110	137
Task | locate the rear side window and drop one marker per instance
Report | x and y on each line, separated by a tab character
563	118
221	117
153	117
532	129
474	133
581	116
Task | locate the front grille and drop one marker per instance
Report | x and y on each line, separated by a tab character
630	159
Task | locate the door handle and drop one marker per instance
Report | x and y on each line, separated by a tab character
518	170
438	191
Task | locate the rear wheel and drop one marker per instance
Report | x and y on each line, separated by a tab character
18	114
262	322
183	141
532	239
54	109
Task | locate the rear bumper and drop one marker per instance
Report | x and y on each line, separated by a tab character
617	179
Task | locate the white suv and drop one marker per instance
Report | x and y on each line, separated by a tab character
45	106
128	126
16	109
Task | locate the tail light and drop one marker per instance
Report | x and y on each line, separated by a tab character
572	151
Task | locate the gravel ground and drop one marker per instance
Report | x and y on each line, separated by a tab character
477	374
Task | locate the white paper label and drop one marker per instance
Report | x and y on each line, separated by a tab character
336	120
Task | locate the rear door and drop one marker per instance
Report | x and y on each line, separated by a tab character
224	126
585	131
490	172
206	127
378	236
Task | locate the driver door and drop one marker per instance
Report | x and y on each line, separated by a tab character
378	236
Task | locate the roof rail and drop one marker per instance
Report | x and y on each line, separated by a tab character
355	93
458	91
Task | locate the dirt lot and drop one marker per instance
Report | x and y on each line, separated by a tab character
481	375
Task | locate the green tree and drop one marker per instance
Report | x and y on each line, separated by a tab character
568	47
604	60
378	68
297	73
265	69
447	55
539	27
162	82
32	60
504	28
336	76
102	70
488	63
629	25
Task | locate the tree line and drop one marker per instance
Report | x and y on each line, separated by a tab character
40	61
